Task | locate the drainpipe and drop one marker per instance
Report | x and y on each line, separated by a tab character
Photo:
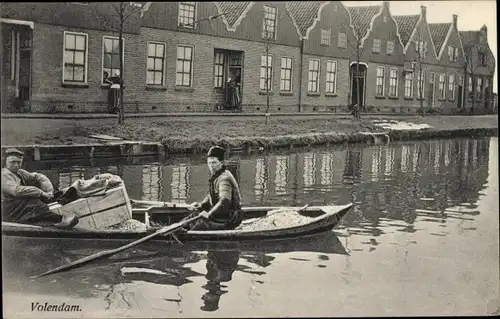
300	73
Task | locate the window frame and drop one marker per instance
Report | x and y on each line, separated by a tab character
216	64
411	87
102	55
275	26
328	38
291	74
179	15
335	64
377	77
263	75
421	81
387	48
344	36
164	63
374	48
85	56
317	77
192	65
451	84
442	93
397	82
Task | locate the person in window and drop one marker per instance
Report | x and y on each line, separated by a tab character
221	208
25	195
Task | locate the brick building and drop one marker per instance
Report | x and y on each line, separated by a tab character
180	56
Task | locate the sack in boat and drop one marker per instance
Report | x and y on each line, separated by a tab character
278	218
130	224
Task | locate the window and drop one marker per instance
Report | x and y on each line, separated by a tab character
313	85
421	48
219	70
325	37
442	91
286	74
186	14
380	81
269	30
393	82
390	47
75	57
482	58
342	40
452	54
110	57
266	72
420	84
331	77
156	63
479	84
184	68
470	84
376	46
409	85
451	86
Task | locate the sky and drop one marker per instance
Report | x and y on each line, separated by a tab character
472	15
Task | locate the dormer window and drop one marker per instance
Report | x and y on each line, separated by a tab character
390	47
325	37
452	54
376	46
421	48
186	14
269	28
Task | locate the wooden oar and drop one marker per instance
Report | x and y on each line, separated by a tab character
164	230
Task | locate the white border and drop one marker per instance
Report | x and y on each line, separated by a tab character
31	24
192	65
164	67
102	55
85	81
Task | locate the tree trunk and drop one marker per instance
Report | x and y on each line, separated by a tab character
121	115
474	84
421	88
357	114
267	83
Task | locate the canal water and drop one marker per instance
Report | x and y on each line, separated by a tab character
421	239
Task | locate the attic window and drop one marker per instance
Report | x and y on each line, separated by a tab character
421	48
385	19
325	37
452	54
269	28
376	46
342	40
390	47
482	58
186	14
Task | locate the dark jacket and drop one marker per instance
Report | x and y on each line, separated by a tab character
224	197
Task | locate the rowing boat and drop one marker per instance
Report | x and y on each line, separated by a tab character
152	213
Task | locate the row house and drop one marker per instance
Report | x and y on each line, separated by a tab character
301	56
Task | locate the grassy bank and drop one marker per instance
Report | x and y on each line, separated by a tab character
185	134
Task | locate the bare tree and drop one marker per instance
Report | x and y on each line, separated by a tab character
116	20
471	63
421	51
355	47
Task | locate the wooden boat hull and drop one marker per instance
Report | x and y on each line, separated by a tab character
331	216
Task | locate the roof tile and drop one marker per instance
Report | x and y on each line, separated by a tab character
304	13
406	25
438	34
232	10
361	18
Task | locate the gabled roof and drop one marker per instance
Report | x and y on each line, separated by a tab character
234	12
439	31
468	37
304	14
361	18
406	25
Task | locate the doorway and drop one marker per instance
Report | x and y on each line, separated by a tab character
358	80
228	79
16	73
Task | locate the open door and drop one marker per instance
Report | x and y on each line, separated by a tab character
228	75
358	84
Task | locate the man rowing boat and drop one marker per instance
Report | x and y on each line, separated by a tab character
24	195
221	208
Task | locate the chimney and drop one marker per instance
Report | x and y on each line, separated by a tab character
423	12
455	18
387	5
484	30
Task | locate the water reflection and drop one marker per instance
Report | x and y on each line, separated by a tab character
399	181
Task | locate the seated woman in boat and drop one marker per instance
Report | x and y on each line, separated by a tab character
222	206
24	195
